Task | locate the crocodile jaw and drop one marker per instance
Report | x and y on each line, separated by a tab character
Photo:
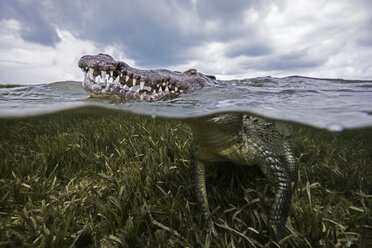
105	77
118	85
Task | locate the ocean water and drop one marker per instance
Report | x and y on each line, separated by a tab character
50	134
322	103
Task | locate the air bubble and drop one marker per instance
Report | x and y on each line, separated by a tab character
335	127
153	113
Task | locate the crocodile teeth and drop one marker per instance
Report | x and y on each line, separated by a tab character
91	73
103	75
143	95
116	81
130	84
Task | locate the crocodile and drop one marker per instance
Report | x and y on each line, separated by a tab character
222	138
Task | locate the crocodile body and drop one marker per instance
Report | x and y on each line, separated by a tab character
244	140
233	137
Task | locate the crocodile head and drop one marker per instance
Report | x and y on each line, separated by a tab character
103	76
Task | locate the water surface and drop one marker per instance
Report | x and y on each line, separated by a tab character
334	104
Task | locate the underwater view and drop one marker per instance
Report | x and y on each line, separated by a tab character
79	171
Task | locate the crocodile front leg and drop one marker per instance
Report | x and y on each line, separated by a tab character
198	171
280	170
284	176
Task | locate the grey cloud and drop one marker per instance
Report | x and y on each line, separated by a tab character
149	32
35	24
38	33
161	33
152	33
365	34
248	49
226	11
292	61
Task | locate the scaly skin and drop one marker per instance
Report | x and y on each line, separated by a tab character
244	140
238	138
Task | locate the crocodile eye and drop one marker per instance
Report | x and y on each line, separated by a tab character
191	71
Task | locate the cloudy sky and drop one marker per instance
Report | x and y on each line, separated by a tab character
42	40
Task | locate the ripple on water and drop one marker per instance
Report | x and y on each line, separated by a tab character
334	105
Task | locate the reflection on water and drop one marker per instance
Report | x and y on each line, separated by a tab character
93	177
323	103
